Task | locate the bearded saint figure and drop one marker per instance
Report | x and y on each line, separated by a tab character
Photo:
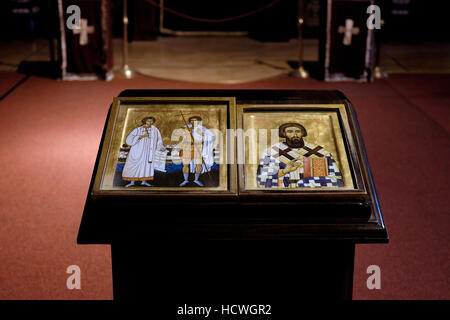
295	163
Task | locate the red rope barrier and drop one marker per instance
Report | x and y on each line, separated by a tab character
271	4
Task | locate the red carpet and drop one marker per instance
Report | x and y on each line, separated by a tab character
8	80
50	132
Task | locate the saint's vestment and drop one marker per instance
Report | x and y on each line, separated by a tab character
198	148
139	165
317	169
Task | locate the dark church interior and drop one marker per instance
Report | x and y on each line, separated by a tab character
62	63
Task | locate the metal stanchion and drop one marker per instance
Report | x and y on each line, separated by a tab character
300	72
378	73
125	71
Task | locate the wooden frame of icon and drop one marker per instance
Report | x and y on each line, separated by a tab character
298	149
158	145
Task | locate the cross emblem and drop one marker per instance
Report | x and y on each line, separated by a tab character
285	153
313	151
309	152
83	31
348	31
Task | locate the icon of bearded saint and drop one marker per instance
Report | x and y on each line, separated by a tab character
296	163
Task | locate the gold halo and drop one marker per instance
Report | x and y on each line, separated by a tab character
204	116
138	120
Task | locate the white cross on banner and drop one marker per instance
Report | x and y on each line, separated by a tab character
348	31
83	31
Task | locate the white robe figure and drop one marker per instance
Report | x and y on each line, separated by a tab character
139	165
201	133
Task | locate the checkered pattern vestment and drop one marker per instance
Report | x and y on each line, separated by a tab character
280	154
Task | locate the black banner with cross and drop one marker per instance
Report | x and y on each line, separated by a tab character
349	48
86	50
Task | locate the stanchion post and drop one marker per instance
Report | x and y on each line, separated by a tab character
125	71
300	72
378	73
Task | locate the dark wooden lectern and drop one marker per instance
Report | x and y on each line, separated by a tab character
252	241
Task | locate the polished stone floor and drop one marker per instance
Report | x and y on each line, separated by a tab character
232	59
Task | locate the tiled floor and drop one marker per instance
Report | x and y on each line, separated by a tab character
232	59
